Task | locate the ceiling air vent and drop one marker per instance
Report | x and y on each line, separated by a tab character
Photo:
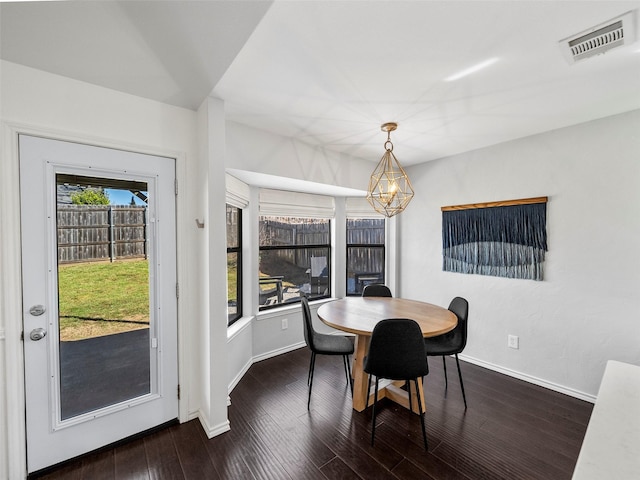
599	39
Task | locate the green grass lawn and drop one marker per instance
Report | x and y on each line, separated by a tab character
232	276
102	298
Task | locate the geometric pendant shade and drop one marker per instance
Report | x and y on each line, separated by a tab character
390	190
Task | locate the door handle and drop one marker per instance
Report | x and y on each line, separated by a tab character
37	334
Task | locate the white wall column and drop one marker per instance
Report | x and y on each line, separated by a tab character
212	329
393	256
339	250
251	255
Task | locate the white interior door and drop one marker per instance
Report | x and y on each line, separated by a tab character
99	293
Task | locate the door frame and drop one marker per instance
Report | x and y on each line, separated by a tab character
11	277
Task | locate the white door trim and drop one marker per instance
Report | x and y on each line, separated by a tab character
11	288
11	277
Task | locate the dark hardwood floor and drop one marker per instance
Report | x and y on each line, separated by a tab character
511	430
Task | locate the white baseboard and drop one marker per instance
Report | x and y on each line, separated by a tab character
530	379
481	363
279	351
213	430
192	416
239	376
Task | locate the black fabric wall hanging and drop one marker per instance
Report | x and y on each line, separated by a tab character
502	239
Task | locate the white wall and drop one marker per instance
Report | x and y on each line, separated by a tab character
240	334
257	151
585	311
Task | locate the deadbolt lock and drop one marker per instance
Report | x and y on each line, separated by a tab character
37	310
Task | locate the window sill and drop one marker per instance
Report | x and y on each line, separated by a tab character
286	309
238	326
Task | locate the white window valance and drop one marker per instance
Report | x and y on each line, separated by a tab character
238	192
295	204
359	207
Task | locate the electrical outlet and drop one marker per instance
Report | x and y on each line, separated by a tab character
513	342
285	323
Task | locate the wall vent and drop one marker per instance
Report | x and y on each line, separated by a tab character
599	39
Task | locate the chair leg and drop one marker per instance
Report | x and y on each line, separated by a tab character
464	397
446	381
312	366
347	370
311	360
424	431
373	420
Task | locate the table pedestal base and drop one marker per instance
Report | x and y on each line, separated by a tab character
391	390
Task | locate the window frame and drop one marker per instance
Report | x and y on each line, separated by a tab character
328	247
238	251
377	246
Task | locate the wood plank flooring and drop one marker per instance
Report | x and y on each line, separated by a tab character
511	430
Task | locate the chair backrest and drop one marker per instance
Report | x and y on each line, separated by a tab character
309	332
376	290
397	350
458	336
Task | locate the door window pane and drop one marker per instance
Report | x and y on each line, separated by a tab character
103	293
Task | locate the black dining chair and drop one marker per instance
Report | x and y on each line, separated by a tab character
376	290
396	352
453	342
324	344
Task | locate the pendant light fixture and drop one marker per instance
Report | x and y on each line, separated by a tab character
389	190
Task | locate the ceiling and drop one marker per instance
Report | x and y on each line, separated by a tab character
329	73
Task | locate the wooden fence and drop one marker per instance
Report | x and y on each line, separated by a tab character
282	233
89	233
279	232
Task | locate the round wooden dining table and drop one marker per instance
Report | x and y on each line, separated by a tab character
359	315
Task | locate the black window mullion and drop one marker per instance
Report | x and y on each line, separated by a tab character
237	250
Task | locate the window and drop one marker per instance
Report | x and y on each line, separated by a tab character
234	264
365	253
295	256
